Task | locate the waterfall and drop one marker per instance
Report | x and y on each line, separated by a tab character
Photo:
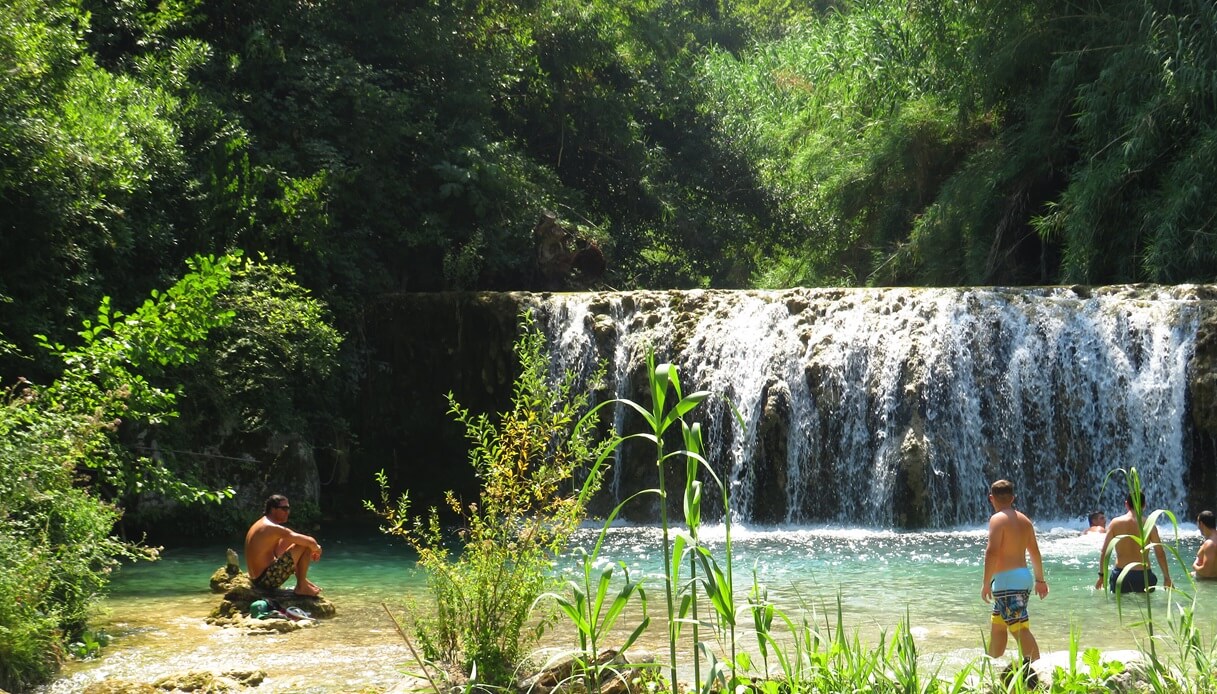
897	407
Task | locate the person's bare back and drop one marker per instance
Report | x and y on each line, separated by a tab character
260	544
1126	550
1123	545
1007	580
1011	533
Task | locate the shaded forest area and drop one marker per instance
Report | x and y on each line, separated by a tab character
363	148
381	147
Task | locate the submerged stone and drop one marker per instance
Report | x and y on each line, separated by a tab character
116	686
209	681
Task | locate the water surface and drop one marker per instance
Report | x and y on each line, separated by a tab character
156	611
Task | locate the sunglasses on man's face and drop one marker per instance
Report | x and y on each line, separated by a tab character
285	508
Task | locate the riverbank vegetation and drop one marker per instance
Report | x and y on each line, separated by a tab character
538	463
67	465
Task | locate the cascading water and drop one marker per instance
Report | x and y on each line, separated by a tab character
897	407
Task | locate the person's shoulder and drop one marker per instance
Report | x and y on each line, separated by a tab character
267	525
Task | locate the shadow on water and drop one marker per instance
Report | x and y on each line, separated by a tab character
156	611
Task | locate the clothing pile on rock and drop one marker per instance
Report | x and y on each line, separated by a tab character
269	609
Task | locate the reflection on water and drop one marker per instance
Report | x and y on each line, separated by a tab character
156	611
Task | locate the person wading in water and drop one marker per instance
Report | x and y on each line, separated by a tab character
1007	581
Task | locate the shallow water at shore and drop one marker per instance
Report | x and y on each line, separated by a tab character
156	611
156	615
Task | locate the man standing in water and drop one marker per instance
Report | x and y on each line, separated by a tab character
1205	565
1007	581
273	552
1125	531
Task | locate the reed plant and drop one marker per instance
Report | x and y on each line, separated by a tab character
587	608
806	658
1147	541
664	380
706	579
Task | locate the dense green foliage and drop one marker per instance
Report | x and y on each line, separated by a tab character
56	549
538	464
66	463
55	544
972	143
378	147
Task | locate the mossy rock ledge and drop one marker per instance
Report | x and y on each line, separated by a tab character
231	681
239	592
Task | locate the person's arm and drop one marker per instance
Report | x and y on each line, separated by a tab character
1160	553
1037	566
986	583
296	538
1107	538
1202	558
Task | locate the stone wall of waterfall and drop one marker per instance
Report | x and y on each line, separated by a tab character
897	407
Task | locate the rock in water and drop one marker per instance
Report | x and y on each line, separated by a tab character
116	686
239	592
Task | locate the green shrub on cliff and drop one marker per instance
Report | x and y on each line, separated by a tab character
528	462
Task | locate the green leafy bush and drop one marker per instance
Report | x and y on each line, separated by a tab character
62	466
56	551
532	499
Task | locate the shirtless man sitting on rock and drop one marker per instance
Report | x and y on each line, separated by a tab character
273	552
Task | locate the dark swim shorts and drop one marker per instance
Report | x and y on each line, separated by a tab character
276	573
1134	582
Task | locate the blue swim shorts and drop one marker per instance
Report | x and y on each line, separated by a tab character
1011	589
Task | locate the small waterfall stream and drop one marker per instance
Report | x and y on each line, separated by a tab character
897	407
